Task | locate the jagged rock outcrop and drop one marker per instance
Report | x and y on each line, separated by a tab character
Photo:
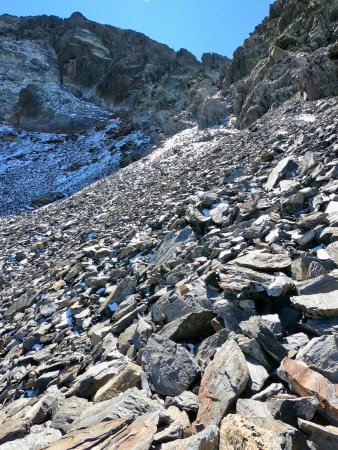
292	51
70	74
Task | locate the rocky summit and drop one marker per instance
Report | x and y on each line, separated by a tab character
169	237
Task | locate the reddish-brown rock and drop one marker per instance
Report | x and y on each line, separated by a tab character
224	380
307	382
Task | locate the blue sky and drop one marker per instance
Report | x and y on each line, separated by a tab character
198	25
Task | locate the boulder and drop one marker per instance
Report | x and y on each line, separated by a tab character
258	260
129	377
132	403
325	437
317	305
224	379
241	433
286	168
307	382
172	241
169	366
321	354
205	440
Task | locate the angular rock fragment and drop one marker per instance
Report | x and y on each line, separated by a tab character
170	244
321	354
310	221
87	384
288	409
263	261
190	327
14	429
325	437
181	417
209	346
258	374
252	408
169	366
317	305
257	328
223	381
187	401
125	288
241	433
91	435
307	382
285	169
132	403
207	439
40	437
128	377
67	411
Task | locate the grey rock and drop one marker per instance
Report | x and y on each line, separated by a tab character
14	429
317	305
87	384
321	354
205	440
196	297
288	409
294	342
128	319
286	168
125	288
132	403
322	436
263	261
252	347
171	433
318	285
220	214
187	401
189	328
25	301
256	328
332	250
252	408
273	390
169	366
209	346
67	411
170	244
321	326
39	437
258	375
310	221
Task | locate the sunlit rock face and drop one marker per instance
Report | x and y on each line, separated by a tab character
293	50
66	75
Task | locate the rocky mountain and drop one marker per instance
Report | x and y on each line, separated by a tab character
189	299
77	78
293	50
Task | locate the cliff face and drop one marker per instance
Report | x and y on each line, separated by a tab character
64	75
293	50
